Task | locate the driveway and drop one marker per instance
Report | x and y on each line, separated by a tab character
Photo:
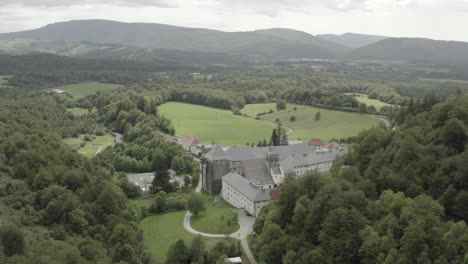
245	223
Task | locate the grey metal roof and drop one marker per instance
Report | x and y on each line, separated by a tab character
217	153
246	188
256	170
247	153
314	157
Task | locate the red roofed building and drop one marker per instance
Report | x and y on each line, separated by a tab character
332	145
189	141
316	142
275	194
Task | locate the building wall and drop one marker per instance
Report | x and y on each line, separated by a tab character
321	167
238	200
212	173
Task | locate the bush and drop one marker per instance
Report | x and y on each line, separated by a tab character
176	205
292	119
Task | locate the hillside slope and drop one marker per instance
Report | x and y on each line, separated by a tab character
415	50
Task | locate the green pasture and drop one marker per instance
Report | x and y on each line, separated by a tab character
332	124
211	124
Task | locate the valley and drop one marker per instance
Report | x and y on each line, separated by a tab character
147	143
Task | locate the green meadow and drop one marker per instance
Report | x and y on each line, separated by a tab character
363	98
211	124
79	90
332	124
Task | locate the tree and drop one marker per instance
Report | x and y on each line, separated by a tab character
317	116
274	138
178	253
339	236
187	181
362	108
12	240
280	104
161	182
197	249
292	118
453	134
159	205
195	204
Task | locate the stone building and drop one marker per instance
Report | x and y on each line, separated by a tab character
265	167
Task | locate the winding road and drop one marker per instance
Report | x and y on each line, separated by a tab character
245	222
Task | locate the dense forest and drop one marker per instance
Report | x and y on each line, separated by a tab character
55	205
399	196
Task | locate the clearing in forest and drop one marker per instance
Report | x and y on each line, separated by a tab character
364	98
90	148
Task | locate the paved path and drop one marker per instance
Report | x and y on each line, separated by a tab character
98	151
289	130
245	222
387	122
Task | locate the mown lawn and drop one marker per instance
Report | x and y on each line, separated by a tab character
160	231
218	218
91	148
332	124
211	124
363	98
79	90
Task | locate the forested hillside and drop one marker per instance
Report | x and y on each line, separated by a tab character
55	205
400	196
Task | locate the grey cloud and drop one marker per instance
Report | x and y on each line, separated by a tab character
60	3
274	7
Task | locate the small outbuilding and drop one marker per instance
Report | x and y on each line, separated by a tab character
235	260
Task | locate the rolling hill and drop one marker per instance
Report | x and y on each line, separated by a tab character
451	53
265	43
352	40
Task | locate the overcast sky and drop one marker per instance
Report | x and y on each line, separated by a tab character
437	19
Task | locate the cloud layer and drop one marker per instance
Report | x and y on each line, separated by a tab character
439	19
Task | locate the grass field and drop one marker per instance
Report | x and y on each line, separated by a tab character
91	148
332	124
79	90
160	231
211	124
215	219
363	98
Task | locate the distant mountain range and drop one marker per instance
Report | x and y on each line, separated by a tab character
352	40
145	41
